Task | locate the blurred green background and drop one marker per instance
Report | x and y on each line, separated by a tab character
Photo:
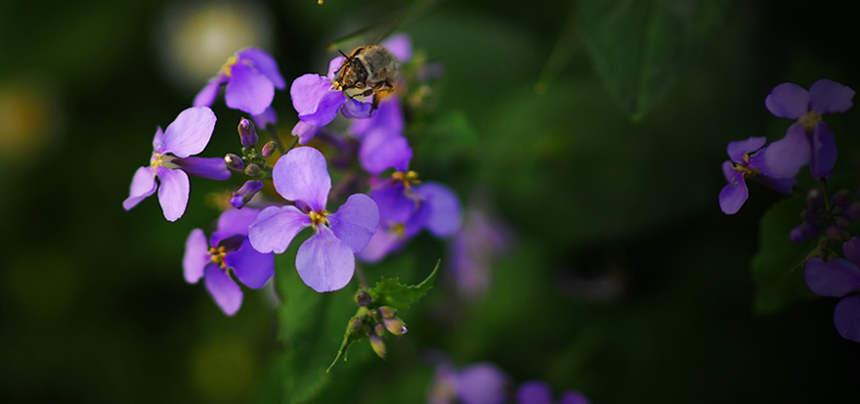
625	281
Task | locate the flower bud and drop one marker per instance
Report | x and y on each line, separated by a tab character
387	312
252	170
244	194
813	199
268	149
378	345
234	162
362	298
247	133
354	326
842	198
395	326
379	329
796	235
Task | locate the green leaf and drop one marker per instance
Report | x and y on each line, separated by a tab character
389	292
777	268
641	47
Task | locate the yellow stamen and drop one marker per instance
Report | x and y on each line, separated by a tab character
318	218
217	255
399	229
229	65
408	178
810	120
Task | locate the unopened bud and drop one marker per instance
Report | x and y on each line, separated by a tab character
378	345
252	170
813	199
234	162
244	194
362	298
268	149
247	133
379	329
395	326
387	312
796	235
842	198
354	326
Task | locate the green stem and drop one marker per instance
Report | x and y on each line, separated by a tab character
274	134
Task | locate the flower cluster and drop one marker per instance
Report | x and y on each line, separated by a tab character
808	141
839	277
372	149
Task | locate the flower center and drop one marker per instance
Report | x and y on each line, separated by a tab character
229	65
748	172
810	120
398	228
407	178
163	160
217	255
318	218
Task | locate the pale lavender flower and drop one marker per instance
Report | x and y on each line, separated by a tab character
317	100
807	141
743	166
187	135
251	76
326	260
481	239
480	383
538	392
839	277
228	250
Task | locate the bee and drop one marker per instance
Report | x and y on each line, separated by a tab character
368	70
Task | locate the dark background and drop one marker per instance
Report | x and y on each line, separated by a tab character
93	306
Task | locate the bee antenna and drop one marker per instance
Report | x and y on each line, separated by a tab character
344	54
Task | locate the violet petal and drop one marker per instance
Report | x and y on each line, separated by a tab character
387	117
173	192
573	397
824	152
355	222
275	227
189	133
225	291
206	96
196	256
252	267
482	383
333	66
302	175
534	392
380	151
445	211
267	117
847	318
356	109
785	157
729	170
393	204
834	278
733	195
304	131
213	168
324	262
828	96
383	242
739	148
142	185
233	222
248	90
400	45
314	100
781	185
851	250
265	64
788	100
158	139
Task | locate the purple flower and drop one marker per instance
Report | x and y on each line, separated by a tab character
807	141
244	194
838	278
537	392
187	135
317	100
266	118
404	210
743	166
251	76
228	250
382	143
472	251
480	383
326	260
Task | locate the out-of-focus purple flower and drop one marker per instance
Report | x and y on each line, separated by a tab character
480	383
743	166
251	76
326	260
481	238
382	143
538	392
317	100
228	250
405	209
244	194
187	135
839	277
266	118
807	141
